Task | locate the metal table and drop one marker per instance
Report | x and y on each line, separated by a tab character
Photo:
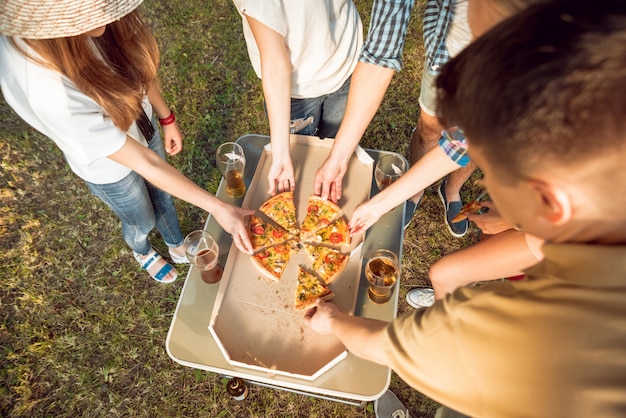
352	380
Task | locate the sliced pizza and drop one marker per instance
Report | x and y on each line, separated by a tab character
320	213
470	207
264	234
309	289
327	262
335	234
273	260
281	209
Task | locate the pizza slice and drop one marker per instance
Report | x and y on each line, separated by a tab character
470	207
281	209
327	262
320	213
264	234
336	233
272	261
309	289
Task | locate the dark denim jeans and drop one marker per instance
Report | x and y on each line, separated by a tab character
141	206
320	116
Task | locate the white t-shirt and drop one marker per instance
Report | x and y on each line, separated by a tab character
459	35
53	105
323	37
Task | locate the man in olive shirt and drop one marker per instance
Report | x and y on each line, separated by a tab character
542	100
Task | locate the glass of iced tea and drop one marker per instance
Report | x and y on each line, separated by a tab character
231	162
382	271
389	168
202	251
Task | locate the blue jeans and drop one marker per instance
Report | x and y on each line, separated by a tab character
141	206
320	116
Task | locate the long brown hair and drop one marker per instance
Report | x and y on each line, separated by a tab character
115	69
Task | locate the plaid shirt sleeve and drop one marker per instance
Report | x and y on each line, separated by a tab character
454	144
385	37
437	17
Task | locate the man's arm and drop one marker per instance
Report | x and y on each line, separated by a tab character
381	56
363	337
367	89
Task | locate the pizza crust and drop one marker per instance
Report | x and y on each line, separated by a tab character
470	207
264	270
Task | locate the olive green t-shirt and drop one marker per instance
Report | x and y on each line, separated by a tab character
550	345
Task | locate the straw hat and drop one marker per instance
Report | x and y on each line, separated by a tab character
45	19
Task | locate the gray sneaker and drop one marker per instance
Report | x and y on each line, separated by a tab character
389	406
420	297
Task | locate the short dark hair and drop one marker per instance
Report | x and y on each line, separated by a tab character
547	84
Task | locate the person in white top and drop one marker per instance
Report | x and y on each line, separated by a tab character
304	52
84	74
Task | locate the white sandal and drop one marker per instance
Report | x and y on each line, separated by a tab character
152	258
178	259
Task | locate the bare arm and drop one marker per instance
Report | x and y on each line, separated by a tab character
367	89
172	137
158	172
430	168
276	71
363	337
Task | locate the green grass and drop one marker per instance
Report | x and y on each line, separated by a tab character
82	328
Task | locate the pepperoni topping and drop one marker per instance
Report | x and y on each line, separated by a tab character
277	233
258	230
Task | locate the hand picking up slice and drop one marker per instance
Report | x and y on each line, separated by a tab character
281	209
264	234
309	290
272	261
336	233
470	207
320	213
327	262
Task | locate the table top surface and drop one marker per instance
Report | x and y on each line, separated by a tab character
190	343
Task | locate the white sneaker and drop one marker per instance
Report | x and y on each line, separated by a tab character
420	297
389	406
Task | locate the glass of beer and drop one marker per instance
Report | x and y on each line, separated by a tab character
382	271
202	251
231	161
389	168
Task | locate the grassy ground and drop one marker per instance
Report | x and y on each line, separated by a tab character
82	329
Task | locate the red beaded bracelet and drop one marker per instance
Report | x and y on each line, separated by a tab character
168	120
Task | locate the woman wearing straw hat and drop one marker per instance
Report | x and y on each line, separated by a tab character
83	72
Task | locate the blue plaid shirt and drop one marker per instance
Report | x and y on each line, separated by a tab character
437	17
454	144
385	37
